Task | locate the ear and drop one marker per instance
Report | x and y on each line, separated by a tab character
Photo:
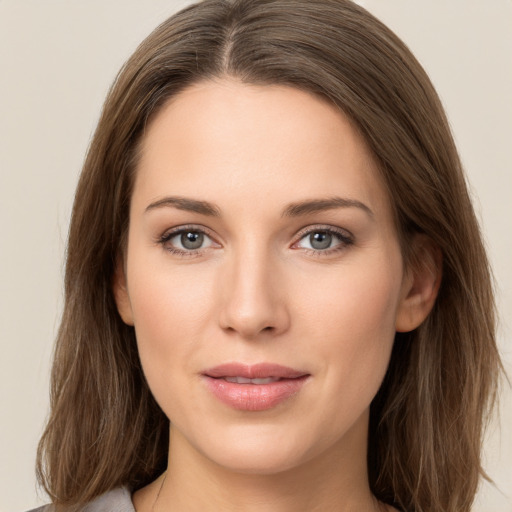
420	285
121	296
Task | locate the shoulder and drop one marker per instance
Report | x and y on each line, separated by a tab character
116	500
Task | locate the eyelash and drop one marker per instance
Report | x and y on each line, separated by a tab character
344	237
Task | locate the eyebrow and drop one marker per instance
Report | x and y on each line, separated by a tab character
319	205
186	204
292	210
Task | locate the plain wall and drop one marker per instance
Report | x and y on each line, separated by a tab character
57	60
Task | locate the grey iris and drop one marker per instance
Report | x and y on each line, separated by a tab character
192	240
320	240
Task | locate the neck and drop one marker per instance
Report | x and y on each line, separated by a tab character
333	481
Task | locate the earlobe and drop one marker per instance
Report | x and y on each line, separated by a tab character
121	296
421	284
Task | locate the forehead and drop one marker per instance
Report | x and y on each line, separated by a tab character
220	137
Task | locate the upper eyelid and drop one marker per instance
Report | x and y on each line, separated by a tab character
325	227
184	228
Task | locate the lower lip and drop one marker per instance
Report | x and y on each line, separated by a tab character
254	397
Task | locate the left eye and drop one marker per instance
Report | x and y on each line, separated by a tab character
189	240
321	240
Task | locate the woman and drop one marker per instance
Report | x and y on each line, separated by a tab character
276	292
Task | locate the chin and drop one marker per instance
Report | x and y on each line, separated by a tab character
257	449
253	460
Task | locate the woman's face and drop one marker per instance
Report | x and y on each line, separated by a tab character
263	276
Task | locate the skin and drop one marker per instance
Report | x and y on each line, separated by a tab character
257	291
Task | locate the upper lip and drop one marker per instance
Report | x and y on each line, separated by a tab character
254	371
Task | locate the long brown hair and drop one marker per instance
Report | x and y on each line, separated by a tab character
105	429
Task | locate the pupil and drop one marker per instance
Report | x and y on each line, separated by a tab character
192	240
320	240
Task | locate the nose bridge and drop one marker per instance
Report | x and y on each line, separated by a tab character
253	298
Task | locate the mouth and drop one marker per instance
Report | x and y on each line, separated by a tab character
244	380
253	387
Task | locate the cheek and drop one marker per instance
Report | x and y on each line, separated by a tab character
357	301
351	317
170	308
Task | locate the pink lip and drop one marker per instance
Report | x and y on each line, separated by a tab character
254	397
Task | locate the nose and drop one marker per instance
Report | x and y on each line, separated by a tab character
253	296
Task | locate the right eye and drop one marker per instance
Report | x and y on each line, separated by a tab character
185	241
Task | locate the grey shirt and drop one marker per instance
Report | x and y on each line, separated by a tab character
116	500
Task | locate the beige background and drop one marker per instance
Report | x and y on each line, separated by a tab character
57	60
